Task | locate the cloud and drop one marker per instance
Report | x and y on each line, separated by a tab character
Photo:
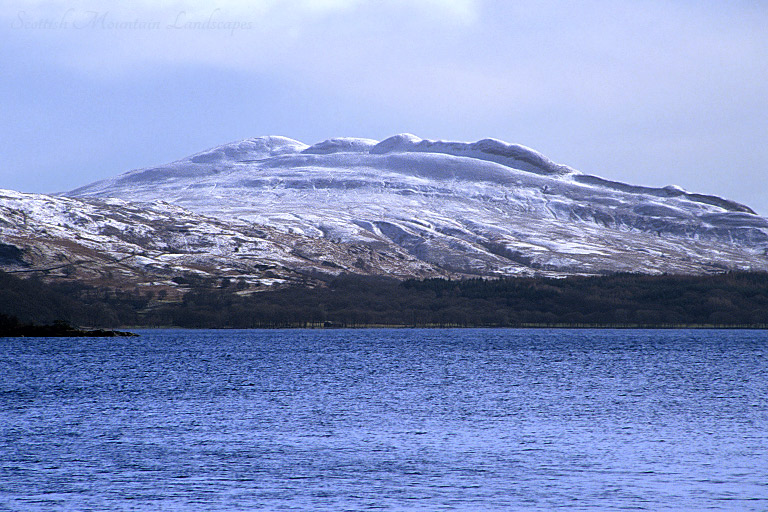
102	40
260	10
597	57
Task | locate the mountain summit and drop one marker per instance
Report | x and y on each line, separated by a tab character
402	206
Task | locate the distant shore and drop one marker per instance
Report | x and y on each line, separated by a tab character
56	330
307	326
619	301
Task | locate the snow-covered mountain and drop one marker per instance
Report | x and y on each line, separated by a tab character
403	206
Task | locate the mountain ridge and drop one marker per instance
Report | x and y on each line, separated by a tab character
513	156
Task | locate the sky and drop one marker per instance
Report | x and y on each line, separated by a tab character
646	92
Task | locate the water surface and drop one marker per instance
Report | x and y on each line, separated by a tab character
386	420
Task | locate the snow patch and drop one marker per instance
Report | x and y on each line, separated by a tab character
341	145
249	149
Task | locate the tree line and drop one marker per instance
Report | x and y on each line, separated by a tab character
738	299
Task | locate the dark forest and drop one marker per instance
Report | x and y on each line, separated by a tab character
621	300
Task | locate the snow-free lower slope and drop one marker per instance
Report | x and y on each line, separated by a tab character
483	208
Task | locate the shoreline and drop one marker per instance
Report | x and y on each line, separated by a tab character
724	327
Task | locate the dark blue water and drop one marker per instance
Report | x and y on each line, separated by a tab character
386	420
